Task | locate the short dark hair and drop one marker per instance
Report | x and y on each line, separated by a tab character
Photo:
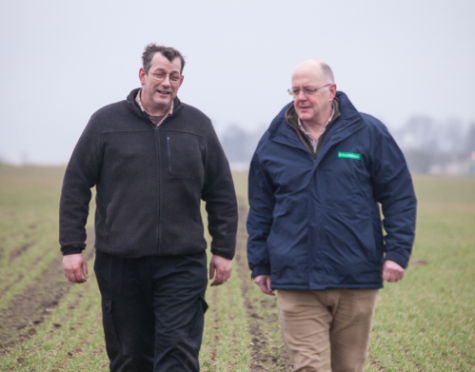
168	52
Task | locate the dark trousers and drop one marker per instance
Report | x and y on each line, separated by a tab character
152	311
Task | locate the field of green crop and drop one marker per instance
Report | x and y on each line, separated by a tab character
424	323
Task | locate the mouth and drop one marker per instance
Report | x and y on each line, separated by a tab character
164	92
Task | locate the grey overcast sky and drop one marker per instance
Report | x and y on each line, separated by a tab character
63	60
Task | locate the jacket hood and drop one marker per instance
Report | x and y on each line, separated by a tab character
132	103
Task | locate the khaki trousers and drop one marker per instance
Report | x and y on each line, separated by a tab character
328	330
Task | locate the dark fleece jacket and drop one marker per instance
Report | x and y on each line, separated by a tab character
149	183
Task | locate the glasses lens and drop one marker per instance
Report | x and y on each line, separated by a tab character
173	78
293	92
159	76
309	91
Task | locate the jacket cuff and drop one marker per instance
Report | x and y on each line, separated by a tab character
71	250
260	270
398	258
223	252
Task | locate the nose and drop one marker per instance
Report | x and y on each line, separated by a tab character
166	81
301	96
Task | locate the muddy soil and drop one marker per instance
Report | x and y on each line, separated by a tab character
39	299
18	251
263	355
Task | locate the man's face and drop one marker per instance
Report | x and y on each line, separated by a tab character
157	95
311	106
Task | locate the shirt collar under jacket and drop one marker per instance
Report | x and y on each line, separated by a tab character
314	142
139	102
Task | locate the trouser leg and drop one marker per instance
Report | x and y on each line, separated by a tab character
127	309
179	288
327	330
305	323
351	328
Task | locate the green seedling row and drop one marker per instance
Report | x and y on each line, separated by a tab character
424	323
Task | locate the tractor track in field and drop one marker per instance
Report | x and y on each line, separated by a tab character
39	299
215	322
261	354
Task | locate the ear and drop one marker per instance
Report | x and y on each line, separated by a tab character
181	81
332	92
142	75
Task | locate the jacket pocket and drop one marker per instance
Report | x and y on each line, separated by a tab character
199	309
184	156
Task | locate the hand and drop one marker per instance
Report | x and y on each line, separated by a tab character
75	268
392	272
221	267
263	281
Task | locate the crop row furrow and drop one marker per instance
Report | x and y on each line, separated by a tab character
71	329
266	348
34	303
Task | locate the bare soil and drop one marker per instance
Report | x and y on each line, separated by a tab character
27	310
215	323
18	251
263	354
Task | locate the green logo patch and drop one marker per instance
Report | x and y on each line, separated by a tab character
349	155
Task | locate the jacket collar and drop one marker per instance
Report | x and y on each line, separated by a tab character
134	107
348	123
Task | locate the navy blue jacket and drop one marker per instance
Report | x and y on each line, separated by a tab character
316	224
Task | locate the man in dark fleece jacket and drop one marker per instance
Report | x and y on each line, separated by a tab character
152	160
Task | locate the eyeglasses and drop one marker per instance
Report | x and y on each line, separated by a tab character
173	78
306	91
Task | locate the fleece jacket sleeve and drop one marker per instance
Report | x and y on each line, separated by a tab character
81	175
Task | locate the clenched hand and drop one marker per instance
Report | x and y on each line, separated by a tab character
221	267
264	282
75	268
392	272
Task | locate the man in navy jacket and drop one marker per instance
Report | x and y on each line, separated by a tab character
317	179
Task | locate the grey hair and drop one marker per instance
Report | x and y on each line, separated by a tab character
327	71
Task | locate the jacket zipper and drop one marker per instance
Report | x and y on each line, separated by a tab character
158	174
159	189
169	157
302	140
